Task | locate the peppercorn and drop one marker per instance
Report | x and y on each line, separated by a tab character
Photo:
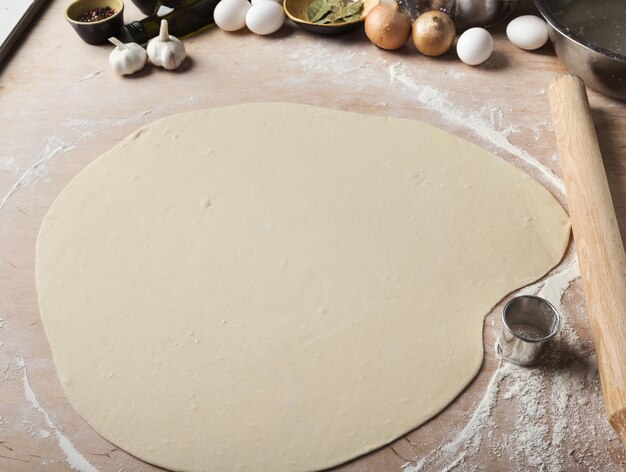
96	14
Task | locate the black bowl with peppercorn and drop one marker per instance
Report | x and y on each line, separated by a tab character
96	21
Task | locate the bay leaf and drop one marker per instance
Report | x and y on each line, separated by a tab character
355	17
323	12
347	10
335	4
317	9
326	18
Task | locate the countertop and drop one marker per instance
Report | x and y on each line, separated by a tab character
61	107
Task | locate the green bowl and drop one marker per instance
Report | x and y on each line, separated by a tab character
96	32
296	11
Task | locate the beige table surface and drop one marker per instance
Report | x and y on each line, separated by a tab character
60	107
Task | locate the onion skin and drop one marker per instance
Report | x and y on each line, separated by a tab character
387	26
433	33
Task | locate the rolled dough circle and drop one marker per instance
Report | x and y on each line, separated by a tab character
281	287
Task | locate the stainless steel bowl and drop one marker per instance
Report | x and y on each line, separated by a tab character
465	13
484	13
601	69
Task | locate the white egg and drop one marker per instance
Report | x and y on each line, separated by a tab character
230	15
527	32
254	2
265	17
474	46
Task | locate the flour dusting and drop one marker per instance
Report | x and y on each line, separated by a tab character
54	145
91	76
554	407
436	100
50	148
74	458
469	439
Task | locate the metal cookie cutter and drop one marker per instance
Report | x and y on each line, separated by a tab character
529	323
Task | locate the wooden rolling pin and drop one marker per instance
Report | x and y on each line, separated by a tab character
598	243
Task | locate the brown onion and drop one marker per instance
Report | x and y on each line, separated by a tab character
433	33
387	26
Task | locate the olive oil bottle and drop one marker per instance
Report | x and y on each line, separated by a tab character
183	17
146	7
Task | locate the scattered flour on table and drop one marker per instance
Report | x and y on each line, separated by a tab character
92	127
74	458
455	73
54	146
10	164
49	149
436	100
354	68
556	408
320	57
91	76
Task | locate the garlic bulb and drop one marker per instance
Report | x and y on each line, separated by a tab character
127	58
166	51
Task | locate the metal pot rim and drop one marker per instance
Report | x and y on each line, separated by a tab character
546	10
